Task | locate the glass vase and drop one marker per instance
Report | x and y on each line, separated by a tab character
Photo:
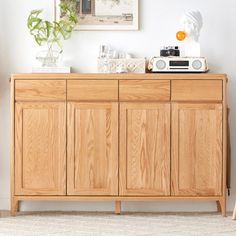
49	58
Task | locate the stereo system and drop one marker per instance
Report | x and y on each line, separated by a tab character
179	64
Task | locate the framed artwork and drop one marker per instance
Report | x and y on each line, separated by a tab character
105	14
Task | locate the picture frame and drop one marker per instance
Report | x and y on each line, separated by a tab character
105	14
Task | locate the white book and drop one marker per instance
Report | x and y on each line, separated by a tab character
61	69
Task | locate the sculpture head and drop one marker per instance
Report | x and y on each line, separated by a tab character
191	23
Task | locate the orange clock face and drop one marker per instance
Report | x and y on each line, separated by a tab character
181	35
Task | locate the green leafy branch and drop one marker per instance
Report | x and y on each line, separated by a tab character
50	33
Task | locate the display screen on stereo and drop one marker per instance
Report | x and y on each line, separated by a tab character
179	63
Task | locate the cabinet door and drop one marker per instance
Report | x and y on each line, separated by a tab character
92	149
196	149
40	148
144	149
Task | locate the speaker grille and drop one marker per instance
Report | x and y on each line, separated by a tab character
197	64
161	65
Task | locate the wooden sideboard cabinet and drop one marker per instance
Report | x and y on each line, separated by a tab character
113	137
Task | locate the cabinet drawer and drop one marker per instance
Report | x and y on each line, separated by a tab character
40	90
199	90
144	90
92	90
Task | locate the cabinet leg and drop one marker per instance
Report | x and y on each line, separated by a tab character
221	206
118	207
218	206
14	207
234	213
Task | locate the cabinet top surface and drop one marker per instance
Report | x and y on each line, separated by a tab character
99	76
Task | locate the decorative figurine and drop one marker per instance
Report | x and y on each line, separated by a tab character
191	24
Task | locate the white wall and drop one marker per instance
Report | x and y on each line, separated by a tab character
159	22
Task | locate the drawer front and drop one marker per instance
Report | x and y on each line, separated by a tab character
92	90
40	90
144	90
197	90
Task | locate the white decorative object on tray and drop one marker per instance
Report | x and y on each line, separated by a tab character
132	65
55	69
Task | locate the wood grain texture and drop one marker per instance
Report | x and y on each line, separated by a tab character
12	162
196	90
40	148
92	149
225	144
196	164
197	173
223	206
117	198
92	90
234	212
14	206
144	149
40	90
144	90
96	76
118	207
218	206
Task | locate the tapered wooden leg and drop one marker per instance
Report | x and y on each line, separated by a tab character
218	206
14	207
221	206
118	207
234	213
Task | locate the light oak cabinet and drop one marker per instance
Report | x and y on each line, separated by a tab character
132	137
145	149
197	149
92	149
40	148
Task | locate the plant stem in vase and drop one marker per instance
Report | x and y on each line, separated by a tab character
52	33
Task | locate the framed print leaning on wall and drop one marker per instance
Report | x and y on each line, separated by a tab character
105	14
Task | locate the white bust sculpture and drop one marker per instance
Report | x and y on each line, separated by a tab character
191	24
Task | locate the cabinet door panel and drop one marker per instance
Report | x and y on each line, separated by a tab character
196	149
92	149
40	148
144	149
